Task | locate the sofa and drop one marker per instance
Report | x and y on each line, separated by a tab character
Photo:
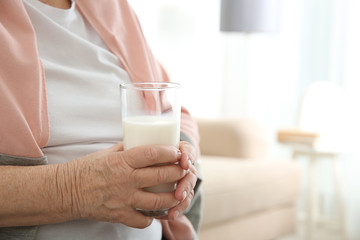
246	195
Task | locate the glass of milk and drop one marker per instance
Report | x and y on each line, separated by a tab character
151	115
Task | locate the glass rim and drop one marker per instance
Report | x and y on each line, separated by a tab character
150	86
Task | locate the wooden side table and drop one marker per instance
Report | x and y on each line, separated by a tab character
304	144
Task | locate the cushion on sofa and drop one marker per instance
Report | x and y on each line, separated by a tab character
234	187
232	137
268	224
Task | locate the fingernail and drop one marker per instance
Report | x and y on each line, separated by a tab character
189	163
176	214
184	195
179	153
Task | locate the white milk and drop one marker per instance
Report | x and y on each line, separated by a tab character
145	130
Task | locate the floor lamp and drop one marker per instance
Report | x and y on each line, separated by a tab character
244	17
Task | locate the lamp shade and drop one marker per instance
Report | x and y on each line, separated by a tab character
250	15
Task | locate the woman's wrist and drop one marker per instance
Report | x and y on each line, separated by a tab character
34	195
66	190
77	183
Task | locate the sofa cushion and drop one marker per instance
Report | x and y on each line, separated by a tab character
273	223
234	187
233	137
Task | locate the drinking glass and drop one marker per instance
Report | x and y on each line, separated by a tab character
151	115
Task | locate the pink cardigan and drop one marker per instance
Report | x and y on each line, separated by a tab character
24	123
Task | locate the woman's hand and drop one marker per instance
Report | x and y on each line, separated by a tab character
104	186
108	185
184	190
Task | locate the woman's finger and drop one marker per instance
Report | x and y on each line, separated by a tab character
152	176
145	156
153	201
187	155
186	185
137	219
179	209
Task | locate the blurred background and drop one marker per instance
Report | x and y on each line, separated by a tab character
264	75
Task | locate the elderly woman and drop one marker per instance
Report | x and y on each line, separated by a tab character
63	171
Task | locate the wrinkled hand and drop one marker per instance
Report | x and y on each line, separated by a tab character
108	185
185	187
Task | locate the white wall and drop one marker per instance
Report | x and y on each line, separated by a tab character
184	36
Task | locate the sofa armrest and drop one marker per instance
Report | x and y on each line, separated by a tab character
232	137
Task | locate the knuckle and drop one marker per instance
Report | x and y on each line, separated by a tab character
191	188
191	195
161	176
195	180
194	171
134	198
135	178
157	204
151	153
184	205
192	183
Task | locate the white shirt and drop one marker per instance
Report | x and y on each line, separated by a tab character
83	95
